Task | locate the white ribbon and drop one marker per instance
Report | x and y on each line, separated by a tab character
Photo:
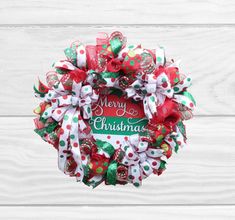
67	108
140	158
158	89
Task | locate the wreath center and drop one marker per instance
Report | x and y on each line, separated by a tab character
115	118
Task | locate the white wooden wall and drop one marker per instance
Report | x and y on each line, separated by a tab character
199	182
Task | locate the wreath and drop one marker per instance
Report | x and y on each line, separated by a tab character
113	112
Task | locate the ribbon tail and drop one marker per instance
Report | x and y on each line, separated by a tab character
150	105
186	99
87	111
63	141
75	148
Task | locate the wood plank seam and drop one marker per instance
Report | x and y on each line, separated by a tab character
196	25
117	205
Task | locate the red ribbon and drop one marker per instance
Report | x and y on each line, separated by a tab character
78	75
114	65
91	57
167	116
171	72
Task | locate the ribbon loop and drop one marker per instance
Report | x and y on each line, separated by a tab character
141	158
75	101
66	107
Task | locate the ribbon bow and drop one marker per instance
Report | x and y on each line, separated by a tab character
135	90
67	109
141	158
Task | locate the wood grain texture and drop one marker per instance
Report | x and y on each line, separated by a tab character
202	173
199	182
116	12
117	213
206	52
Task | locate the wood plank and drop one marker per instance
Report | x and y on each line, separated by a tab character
28	52
137	213
113	12
202	173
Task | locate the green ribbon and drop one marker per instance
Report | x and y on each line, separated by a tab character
181	128
105	146
116	45
106	75
71	54
115	91
94	182
112	173
159	139
109	75
188	95
47	130
176	148
162	165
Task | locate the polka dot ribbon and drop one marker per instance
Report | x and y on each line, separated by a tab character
141	159
132	90
76	54
66	108
158	88
183	97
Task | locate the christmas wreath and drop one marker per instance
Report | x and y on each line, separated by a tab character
114	112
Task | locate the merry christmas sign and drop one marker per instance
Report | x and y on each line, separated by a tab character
115	118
